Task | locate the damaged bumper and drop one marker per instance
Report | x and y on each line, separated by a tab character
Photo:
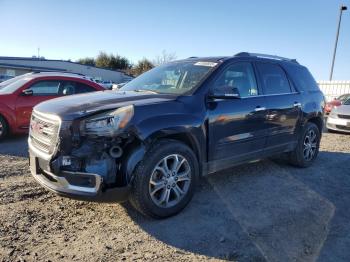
77	185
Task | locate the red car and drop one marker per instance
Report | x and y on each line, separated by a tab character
19	95
336	102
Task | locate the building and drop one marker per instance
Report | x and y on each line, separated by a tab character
14	66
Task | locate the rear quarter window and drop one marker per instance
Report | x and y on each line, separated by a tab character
302	78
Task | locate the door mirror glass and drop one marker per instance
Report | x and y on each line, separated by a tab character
27	92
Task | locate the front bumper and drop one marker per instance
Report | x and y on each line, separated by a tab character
77	185
338	124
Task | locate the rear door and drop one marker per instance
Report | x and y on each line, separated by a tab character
42	90
237	127
283	105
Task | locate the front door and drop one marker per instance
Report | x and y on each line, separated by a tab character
237	127
40	91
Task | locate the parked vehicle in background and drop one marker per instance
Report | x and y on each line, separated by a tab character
336	102
106	84
19	95
339	118
118	86
5	77
151	141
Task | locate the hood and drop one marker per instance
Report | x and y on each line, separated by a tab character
342	110
76	106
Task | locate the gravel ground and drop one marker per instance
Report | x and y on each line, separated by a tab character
265	211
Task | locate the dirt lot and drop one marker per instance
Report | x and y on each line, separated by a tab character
262	211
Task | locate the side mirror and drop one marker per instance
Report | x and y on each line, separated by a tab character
226	92
27	92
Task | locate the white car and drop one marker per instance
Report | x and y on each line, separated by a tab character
339	118
107	84
118	86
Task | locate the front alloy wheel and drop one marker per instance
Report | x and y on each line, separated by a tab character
164	181
170	181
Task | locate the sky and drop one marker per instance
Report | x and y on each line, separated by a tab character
65	29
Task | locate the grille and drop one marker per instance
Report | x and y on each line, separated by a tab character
43	132
344	116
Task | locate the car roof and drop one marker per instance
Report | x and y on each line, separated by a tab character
58	74
203	59
243	56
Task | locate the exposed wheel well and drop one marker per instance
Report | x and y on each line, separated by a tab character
6	127
6	121
318	122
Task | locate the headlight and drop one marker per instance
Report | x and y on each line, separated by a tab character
333	112
108	123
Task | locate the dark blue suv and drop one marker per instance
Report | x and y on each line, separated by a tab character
151	140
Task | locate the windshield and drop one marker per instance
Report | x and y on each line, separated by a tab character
174	78
343	98
11	85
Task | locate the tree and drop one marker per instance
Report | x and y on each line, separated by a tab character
114	62
119	62
164	57
141	67
103	60
87	61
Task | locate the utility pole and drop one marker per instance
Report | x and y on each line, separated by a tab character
342	8
38	52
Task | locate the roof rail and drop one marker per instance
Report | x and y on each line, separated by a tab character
275	57
192	57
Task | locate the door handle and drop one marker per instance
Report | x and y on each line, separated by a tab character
259	108
296	104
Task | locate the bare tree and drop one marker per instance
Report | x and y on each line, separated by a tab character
164	57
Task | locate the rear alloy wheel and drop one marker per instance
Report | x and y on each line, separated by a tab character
165	179
3	128
307	148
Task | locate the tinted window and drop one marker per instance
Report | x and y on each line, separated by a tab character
302	78
46	88
273	78
82	88
240	76
67	88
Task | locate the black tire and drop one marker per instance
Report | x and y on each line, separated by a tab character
297	157
140	196
4	128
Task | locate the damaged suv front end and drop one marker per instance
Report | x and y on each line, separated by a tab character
82	158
